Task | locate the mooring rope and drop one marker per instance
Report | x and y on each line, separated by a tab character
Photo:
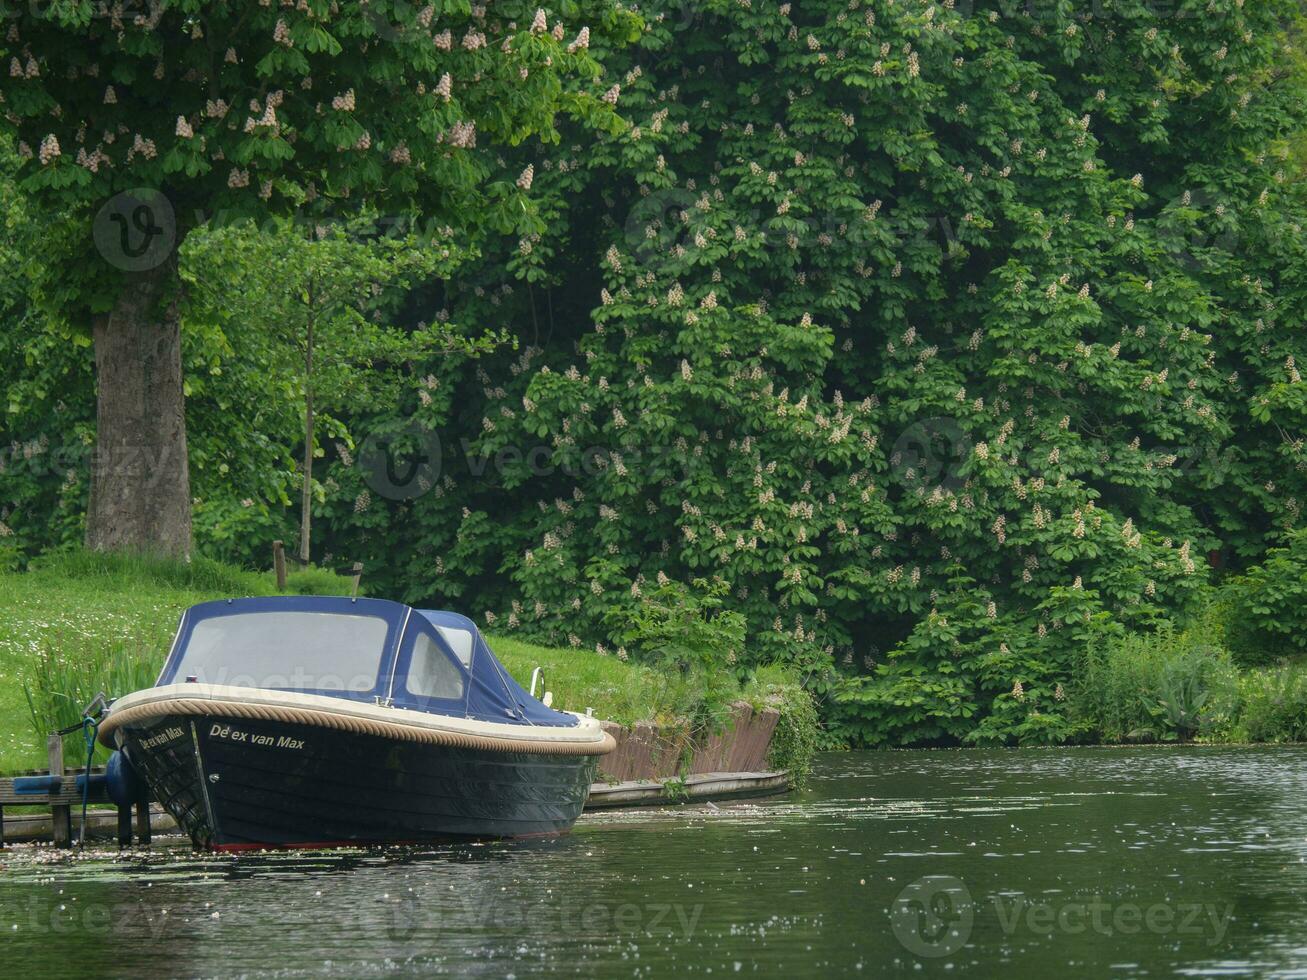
89	727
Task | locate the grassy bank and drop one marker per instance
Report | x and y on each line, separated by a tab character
78	623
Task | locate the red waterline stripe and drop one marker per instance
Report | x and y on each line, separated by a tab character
311	845
331	844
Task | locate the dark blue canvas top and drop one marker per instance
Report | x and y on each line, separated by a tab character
369	650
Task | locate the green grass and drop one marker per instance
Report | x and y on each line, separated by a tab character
580	679
48	609
80	621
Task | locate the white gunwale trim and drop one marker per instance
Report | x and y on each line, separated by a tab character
585	738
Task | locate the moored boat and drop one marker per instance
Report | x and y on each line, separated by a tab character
310	721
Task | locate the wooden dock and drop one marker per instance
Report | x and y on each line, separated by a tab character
63	791
698	788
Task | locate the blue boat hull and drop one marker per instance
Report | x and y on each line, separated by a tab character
239	783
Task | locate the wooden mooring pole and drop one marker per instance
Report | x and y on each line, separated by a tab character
357	573
125	826
279	564
61	814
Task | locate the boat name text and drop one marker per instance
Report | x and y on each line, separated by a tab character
266	741
167	735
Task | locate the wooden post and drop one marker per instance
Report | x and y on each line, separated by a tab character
125	825
279	563
61	814
357	571
143	822
2	828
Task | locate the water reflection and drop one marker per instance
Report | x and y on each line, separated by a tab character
1103	862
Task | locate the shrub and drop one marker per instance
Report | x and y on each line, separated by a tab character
320	581
798	732
1265	609
1273	705
970	673
696	645
1165	686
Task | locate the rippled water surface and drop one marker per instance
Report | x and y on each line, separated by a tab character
1059	863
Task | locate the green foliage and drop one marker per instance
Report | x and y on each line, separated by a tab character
967	673
216	115
908	311
1272	705
65	676
1265	609
951	344
798	734
676	789
315	318
312	580
246	112
694	645
1172	686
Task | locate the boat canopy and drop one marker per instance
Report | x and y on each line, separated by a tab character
368	650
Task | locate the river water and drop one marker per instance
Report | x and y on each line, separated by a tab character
1030	863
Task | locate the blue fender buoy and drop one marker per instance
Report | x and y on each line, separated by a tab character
124	782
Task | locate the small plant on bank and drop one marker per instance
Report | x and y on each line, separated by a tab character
676	789
694	644
798	733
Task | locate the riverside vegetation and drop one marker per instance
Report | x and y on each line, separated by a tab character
945	357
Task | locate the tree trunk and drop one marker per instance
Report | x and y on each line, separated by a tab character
306	498
140	483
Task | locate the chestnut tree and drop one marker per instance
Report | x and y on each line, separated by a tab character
137	122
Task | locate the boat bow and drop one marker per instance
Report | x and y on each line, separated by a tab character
587	737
